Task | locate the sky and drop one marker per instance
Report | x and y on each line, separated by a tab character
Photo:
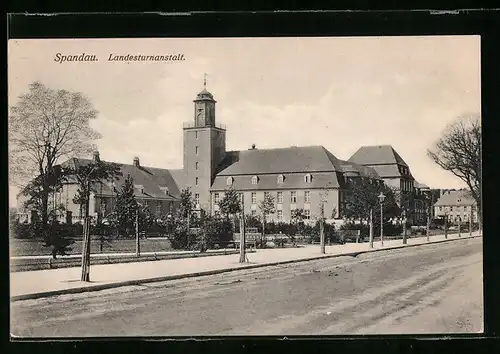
339	92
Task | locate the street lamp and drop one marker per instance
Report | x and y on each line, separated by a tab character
404	226
137	239
459	226
381	198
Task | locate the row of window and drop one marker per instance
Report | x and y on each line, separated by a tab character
458	208
280	179
279	197
279	214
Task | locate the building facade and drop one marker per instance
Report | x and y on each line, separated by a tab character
456	205
310	178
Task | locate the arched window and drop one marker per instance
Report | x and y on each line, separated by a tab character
255	180
308	178
229	181
281	178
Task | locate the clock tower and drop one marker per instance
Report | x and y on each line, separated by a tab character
204	149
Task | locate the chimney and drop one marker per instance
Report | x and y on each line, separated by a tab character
136	162
253	147
95	156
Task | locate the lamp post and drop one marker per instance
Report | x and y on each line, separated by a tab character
428	227
459	226
371	228
381	198
242	231
445	225
137	239
404	227
470	221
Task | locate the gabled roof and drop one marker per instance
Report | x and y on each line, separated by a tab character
455	198
353	169
377	155
282	160
153	180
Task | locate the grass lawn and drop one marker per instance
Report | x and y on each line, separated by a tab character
36	247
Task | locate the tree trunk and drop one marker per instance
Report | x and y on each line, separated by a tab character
263	235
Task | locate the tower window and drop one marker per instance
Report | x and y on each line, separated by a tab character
196	165
255	179
196	150
196	181
281	178
229	181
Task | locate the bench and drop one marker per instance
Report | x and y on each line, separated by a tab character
350	235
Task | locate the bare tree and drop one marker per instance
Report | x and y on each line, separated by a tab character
44	126
459	152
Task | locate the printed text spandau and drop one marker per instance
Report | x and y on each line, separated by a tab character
114	57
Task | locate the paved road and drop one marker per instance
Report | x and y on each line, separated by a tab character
429	289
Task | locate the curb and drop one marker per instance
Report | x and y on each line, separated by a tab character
213	272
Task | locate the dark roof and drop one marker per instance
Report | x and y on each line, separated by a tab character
331	179
281	160
377	155
204	95
152	180
455	198
352	169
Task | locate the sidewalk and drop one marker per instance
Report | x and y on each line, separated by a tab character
40	283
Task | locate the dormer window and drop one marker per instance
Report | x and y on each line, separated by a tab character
164	190
255	180
308	178
229	181
281	178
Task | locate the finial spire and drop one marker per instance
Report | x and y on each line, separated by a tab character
205	81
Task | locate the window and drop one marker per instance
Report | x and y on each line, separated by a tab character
307	214
281	178
196	165
196	198
255	179
229	181
158	207
164	190
196	150
280	197
196	134
254	198
308	178
307	197
216	198
451	208
440	208
266	195
293	197
139	188
254	212
280	215
196	181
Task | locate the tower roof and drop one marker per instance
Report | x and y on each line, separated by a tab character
205	96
